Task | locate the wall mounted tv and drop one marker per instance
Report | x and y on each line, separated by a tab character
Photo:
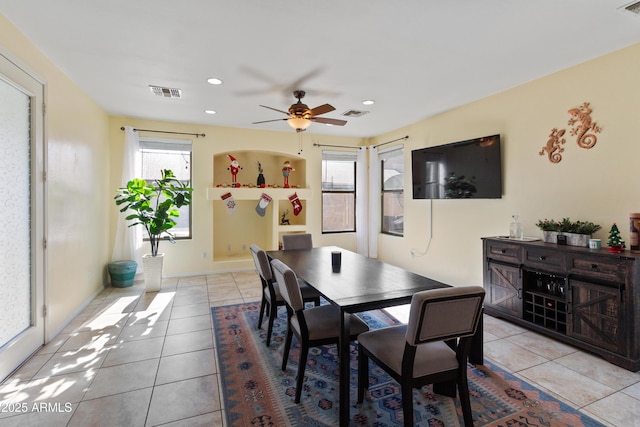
461	170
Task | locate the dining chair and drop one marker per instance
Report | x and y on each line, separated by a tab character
271	297
297	241
313	327
433	348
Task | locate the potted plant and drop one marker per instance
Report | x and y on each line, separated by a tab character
577	233
155	207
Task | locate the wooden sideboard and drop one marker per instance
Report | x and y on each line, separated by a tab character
586	298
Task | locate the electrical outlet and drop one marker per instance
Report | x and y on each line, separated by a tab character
244	247
204	255
229	247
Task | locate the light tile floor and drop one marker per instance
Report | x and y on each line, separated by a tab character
137	359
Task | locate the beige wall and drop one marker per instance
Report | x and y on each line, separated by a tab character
598	185
78	177
186	256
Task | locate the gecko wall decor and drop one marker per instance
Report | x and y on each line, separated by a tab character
584	129
554	145
583	123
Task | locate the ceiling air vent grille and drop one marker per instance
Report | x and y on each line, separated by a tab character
354	113
165	92
633	8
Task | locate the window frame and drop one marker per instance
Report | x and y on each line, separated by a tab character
150	144
345	157
382	157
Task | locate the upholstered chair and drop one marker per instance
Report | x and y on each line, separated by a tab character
297	241
271	297
313	326
432	348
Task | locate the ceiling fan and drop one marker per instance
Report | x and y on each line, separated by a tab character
300	116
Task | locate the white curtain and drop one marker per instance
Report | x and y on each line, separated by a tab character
374	201
128	243
362	201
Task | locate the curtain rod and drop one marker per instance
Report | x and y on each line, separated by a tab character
389	142
166	131
315	144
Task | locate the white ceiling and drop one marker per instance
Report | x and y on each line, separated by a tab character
416	58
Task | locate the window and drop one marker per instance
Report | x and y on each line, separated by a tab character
392	198
158	154
338	192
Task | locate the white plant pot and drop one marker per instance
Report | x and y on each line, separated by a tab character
152	266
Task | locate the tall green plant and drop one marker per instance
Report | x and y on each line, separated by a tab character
154	206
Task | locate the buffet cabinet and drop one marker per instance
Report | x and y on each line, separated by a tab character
586	298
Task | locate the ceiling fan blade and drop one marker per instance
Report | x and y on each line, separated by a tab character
322	109
267	121
275	109
327	121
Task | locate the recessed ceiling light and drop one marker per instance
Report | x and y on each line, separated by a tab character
209	111
368	102
214	81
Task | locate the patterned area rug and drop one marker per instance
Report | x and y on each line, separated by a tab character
258	393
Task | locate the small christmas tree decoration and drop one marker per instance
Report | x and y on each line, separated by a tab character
615	242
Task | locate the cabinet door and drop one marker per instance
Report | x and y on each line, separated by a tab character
504	288
596	315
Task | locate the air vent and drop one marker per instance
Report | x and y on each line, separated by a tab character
354	113
166	92
633	8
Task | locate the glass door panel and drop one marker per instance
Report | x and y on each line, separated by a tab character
21	258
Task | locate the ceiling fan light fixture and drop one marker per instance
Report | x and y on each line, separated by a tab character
214	81
369	102
210	111
299	123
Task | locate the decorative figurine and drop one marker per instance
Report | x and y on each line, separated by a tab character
260	181
284	220
234	167
286	170
615	242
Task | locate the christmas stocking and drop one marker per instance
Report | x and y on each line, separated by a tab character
297	206
231	204
262	204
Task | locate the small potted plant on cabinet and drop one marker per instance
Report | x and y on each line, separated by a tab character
577	233
154	206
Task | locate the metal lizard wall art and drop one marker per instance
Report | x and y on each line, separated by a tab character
553	147
581	117
584	128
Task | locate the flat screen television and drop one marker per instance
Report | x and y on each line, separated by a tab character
460	170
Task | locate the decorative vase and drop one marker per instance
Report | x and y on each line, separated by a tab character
260	182
152	266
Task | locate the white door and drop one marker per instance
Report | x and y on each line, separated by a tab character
22	158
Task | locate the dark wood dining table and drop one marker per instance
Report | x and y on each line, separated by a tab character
360	284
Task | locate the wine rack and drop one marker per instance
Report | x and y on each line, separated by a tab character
544	300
